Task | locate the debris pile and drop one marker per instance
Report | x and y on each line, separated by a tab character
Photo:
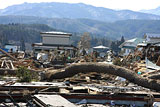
85	80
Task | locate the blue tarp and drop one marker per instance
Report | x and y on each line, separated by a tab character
6	50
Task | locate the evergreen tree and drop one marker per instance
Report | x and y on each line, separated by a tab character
3	40
122	40
23	48
115	45
94	41
104	41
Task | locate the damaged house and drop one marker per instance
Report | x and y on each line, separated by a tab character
152	53
152	37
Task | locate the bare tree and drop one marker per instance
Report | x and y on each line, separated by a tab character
85	40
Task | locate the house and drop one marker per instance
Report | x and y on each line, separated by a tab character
129	45
152	37
102	50
12	47
53	40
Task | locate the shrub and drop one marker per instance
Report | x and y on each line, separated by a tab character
117	61
24	74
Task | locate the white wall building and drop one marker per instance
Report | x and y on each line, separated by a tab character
129	45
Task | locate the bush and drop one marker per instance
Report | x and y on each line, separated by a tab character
24	74
117	61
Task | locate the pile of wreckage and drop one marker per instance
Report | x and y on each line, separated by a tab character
83	81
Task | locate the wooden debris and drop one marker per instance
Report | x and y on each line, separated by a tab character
9	55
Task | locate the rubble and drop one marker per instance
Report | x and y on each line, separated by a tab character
82	80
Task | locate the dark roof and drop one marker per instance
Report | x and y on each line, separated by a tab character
11	44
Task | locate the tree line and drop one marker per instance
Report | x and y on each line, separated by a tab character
20	34
86	42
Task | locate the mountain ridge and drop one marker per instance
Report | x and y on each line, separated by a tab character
74	11
111	30
155	11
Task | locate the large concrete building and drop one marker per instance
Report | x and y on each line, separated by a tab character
53	40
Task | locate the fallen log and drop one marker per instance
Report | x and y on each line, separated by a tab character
154	76
104	68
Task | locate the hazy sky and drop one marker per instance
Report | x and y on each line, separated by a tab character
113	4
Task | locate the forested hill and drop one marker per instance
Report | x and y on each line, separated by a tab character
127	28
14	33
101	32
30	33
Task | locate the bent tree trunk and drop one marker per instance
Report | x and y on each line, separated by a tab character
105	68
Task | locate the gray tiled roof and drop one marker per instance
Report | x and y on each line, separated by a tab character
155	35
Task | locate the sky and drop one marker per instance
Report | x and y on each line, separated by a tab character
112	4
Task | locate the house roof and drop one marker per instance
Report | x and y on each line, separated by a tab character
101	47
152	35
11	44
142	44
132	42
56	33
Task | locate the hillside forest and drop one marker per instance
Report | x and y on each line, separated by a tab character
30	33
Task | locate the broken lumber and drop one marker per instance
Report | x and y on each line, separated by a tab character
104	68
8	55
